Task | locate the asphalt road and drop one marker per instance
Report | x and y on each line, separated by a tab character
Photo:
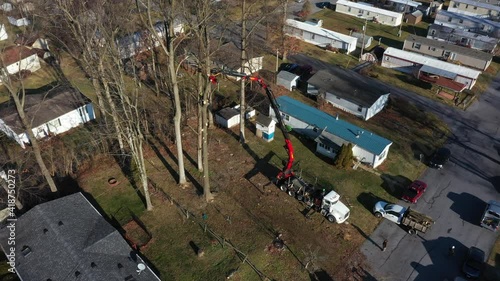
455	198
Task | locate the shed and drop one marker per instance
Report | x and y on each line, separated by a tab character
265	127
414	17
287	80
367	39
227	117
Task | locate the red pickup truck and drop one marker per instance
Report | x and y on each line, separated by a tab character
414	191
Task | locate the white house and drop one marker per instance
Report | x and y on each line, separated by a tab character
331	132
349	91
228	56
19	58
484	9
468	23
287	80
52	112
410	62
320	36
368	12
3	33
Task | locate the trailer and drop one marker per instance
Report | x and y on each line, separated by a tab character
415	221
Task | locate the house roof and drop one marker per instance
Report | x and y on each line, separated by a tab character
67	239
444	32
417	14
406	2
322	31
421	59
288	76
369	8
229	55
491	5
450	47
42	106
465	17
348	85
14	54
347	131
264	120
228	113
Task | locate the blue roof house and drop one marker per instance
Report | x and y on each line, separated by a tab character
330	132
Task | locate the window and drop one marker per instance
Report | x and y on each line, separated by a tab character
432	49
285	116
456	5
382	155
313	37
349	9
367	13
449	19
433	32
360	108
475	7
337	97
461	21
466	6
417	46
326	147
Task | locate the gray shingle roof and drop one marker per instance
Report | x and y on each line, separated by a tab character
228	113
264	120
69	240
348	85
450	47
43	106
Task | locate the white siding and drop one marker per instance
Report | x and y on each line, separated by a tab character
31	63
366	12
10	133
345	105
376	107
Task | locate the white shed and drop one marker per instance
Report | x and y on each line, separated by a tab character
287	80
3	33
227	117
265	127
371	13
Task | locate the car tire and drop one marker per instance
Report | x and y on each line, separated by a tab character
291	193
378	215
331	219
411	231
283	187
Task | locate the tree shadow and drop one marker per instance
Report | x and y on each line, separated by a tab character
368	200
421	151
467	206
126	166
173	172
363	274
444	265
320	275
395	185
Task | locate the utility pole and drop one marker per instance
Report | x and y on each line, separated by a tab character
402	20
277	62
363	41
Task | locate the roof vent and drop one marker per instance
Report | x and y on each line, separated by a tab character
45	230
140	268
93	265
60	223
26	251
77	273
337	117
120	266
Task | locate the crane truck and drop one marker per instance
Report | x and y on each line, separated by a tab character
328	204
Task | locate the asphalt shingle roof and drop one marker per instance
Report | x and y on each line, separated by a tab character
69	240
345	130
348	85
42	107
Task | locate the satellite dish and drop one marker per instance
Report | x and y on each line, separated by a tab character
140	268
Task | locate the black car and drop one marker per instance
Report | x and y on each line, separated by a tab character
474	263
440	157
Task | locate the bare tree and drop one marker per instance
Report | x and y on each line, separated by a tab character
168	46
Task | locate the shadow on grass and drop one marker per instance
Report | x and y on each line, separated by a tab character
395	185
172	171
126	166
414	81
367	237
421	151
415	30
368	200
320	275
389	41
363	274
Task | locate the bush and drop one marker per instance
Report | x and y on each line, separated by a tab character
344	158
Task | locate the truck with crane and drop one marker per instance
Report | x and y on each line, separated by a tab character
327	204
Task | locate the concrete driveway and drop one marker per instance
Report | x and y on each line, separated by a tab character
455	198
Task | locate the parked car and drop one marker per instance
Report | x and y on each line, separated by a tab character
324	5
440	158
414	191
391	212
474	263
290	67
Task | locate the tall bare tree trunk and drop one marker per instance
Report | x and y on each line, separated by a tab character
33	140
200	122
243	63
285	10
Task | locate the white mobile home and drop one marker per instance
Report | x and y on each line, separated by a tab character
330	133
367	12
410	62
320	36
